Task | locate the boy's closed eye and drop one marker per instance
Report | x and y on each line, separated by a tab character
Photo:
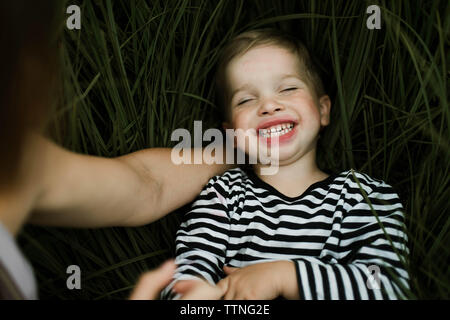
284	90
244	101
289	89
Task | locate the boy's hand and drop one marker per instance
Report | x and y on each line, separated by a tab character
198	290
262	281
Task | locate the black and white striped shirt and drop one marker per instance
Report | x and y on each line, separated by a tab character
329	232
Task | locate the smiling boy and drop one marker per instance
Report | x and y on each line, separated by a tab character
268	95
300	233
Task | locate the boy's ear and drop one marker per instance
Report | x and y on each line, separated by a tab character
324	109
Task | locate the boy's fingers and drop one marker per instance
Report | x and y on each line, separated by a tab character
151	283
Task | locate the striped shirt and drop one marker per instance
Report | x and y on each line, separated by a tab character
345	234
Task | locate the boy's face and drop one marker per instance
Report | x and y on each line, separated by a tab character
268	95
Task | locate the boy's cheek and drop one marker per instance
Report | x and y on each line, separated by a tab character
237	123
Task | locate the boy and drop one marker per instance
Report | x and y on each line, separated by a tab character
300	233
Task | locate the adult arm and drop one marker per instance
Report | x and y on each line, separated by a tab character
63	188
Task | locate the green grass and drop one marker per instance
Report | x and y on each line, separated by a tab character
137	70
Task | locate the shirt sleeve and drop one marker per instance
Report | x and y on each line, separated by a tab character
16	274
202	239
365	256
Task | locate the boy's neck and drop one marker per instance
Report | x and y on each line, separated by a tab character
294	178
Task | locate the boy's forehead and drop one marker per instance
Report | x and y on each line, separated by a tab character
265	54
273	59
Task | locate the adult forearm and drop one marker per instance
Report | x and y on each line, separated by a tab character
87	191
131	190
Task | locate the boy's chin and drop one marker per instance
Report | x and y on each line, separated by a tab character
268	160
271	154
287	156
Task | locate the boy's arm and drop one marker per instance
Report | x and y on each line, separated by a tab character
202	240
260	281
87	191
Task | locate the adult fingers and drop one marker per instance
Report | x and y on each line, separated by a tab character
230	292
223	284
151	283
229	270
204	291
184	286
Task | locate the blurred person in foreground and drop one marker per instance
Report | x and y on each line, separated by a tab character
42	183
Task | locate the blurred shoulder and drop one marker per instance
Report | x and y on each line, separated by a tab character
355	179
230	179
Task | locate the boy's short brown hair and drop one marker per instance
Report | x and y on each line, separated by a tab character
267	36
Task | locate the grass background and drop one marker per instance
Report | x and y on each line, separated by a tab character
137	70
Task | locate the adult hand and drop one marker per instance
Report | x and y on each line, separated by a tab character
151	283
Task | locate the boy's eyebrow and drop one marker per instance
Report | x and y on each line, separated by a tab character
296	76
247	86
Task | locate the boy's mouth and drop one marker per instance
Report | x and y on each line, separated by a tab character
276	128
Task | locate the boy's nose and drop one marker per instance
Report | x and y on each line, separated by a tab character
269	107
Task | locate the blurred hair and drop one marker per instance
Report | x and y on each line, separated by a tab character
243	42
28	58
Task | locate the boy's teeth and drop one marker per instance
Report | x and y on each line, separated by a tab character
277	130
